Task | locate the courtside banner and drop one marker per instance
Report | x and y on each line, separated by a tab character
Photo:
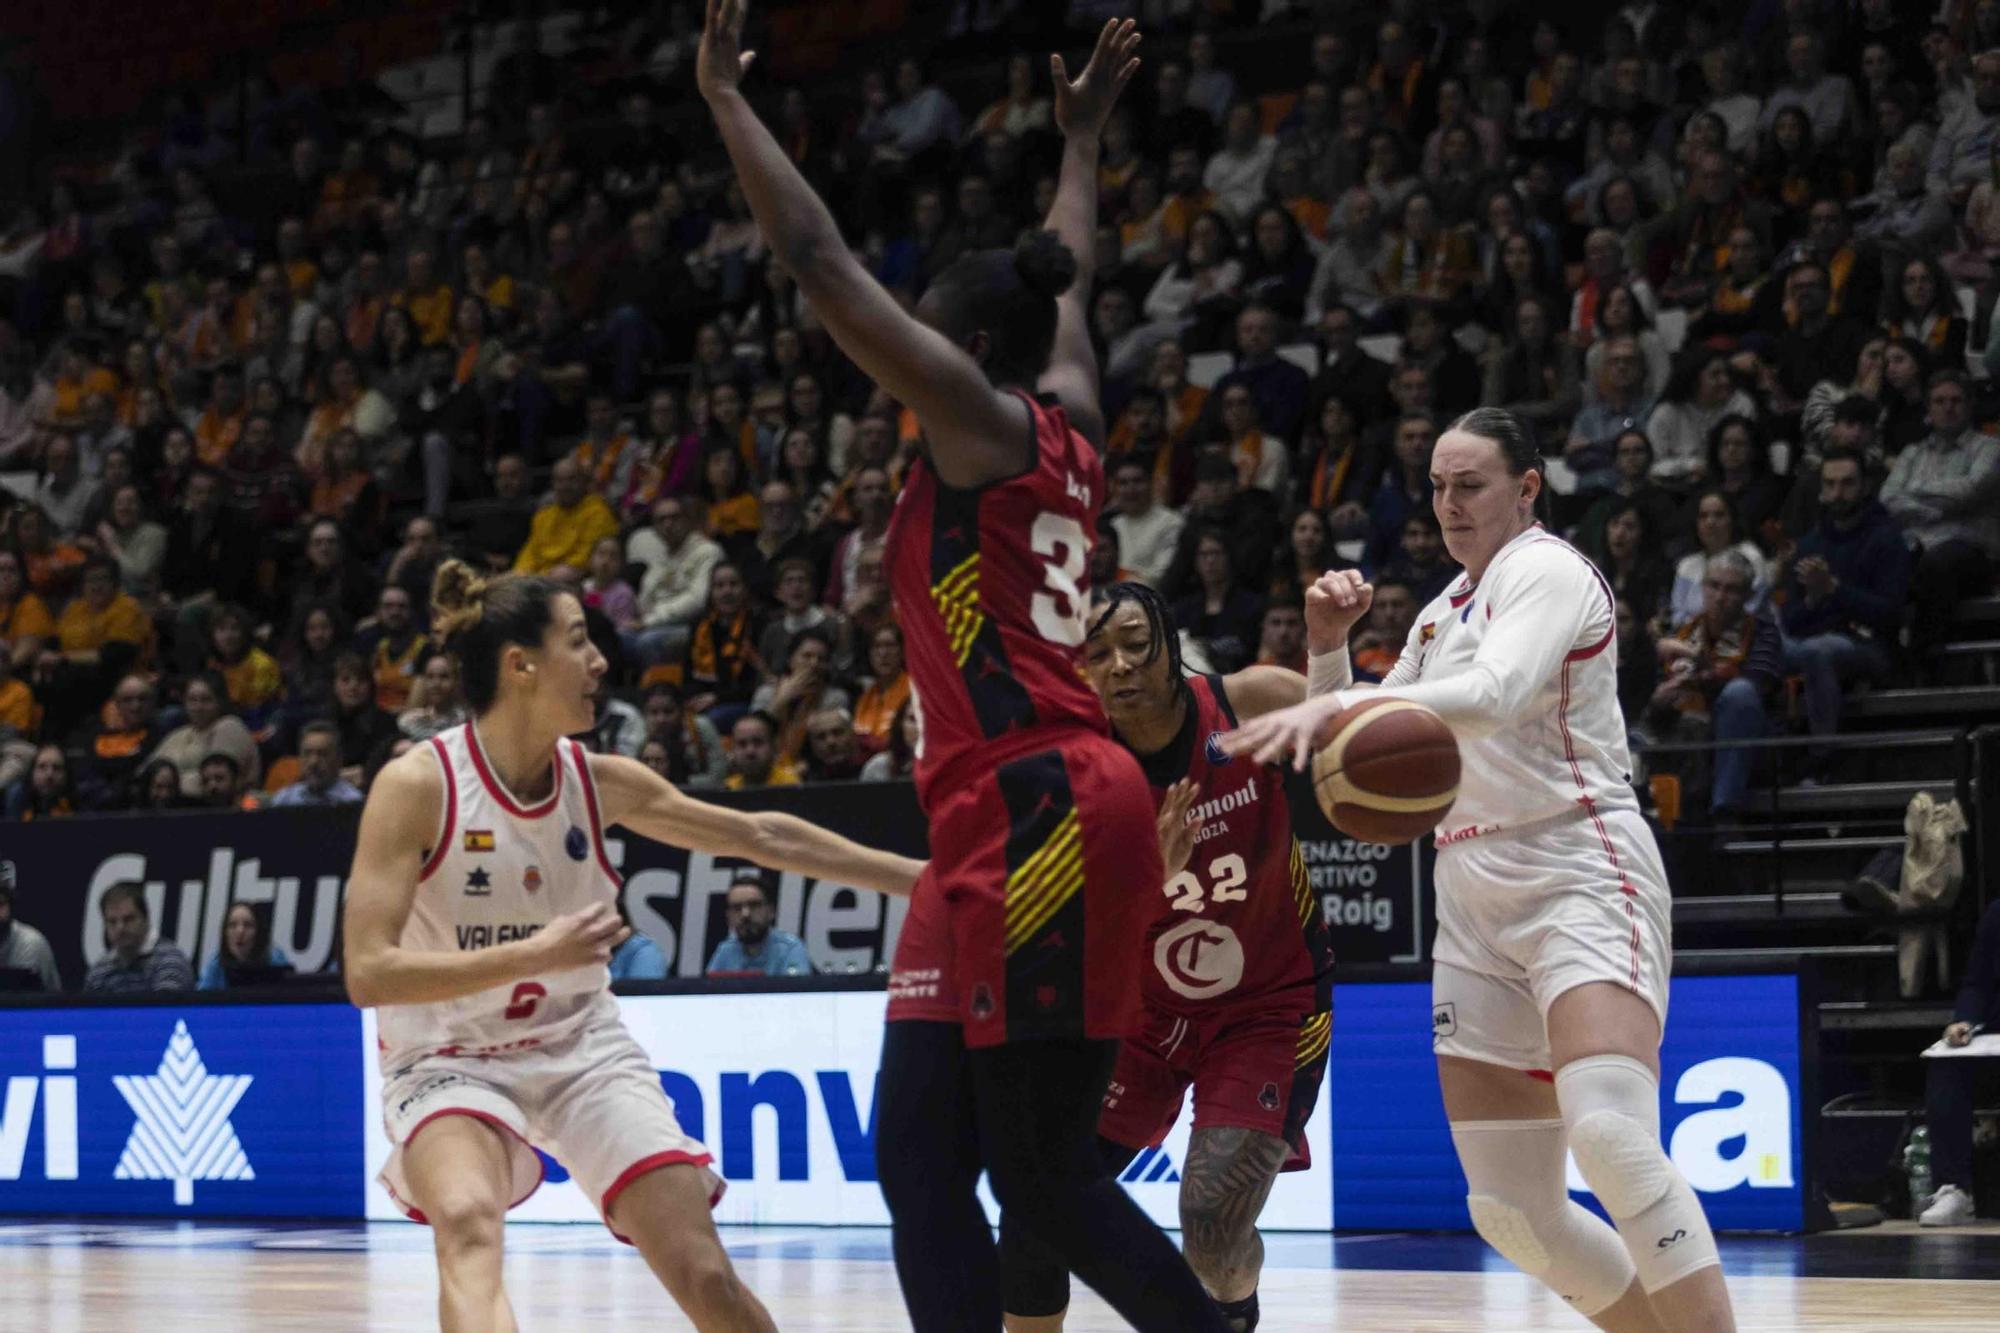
782	1090
190	1111
1730	1106
293	864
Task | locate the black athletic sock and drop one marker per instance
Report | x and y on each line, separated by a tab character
1241	1316
927	1159
1038	1107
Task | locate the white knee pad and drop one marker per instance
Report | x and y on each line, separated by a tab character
1611	1104
1519	1206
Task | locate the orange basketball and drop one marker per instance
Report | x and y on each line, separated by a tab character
1386	771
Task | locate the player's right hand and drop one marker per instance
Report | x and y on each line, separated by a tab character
580	939
1084	103
1177	832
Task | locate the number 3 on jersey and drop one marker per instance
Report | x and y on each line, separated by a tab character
1059	609
1225	879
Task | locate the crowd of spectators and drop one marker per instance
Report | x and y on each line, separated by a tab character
1736	266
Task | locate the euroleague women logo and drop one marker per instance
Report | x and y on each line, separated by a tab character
1199	959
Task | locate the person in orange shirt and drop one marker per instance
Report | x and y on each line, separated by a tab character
875	713
220	425
496	289
25	621
427	297
363	316
78	375
101	616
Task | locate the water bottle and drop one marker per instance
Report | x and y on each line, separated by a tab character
1917	1165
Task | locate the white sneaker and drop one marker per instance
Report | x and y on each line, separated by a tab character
1950	1207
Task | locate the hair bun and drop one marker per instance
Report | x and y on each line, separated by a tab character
1044	263
458	599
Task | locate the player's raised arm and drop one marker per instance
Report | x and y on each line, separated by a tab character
1550	599
1337	600
1081	108
977	434
652	807
397	826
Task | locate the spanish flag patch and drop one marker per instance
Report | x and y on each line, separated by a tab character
1424	636
478	840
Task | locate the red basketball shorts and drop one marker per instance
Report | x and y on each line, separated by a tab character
1250	1070
1030	922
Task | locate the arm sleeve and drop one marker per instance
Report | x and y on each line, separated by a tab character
1545	604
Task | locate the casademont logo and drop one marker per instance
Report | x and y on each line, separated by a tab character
183	1132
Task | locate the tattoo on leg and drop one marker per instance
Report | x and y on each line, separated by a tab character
1224	1183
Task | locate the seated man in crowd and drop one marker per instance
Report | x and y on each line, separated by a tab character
1945	491
754	945
23	949
1721	670
1379	642
833	753
754	760
137	963
1281	640
1848	592
319	781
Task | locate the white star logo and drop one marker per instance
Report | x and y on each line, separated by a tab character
182	1132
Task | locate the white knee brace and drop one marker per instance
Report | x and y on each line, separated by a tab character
1520	1207
1611	1104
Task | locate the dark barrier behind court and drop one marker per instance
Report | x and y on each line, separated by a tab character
295	862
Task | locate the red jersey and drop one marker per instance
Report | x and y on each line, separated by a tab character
1240	927
992	588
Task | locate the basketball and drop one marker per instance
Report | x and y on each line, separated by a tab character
1386	770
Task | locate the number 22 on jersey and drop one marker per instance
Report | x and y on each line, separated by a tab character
1222	884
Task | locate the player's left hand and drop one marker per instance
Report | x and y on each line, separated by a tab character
1084	104
1177	832
1336	600
721	63
1288	733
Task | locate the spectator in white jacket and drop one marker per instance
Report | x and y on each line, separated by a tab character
1235	174
674	591
1699	394
1148	532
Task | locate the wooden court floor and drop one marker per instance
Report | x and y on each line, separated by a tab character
72	1278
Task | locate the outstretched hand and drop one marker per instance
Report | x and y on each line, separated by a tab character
1084	104
722	62
1177	832
1288	735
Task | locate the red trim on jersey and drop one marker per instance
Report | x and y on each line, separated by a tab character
590	803
416	1214
499	793
678	1157
1542	1075
1597	821
1611	632
436	858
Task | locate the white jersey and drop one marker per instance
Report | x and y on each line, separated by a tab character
500	871
1523	666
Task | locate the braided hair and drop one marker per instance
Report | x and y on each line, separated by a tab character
1160	627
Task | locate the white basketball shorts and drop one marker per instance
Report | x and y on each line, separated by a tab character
591	1100
1525	915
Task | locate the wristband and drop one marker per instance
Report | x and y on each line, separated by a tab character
1328	673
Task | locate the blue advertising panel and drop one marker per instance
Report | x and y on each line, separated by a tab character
185	1111
1729	1106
